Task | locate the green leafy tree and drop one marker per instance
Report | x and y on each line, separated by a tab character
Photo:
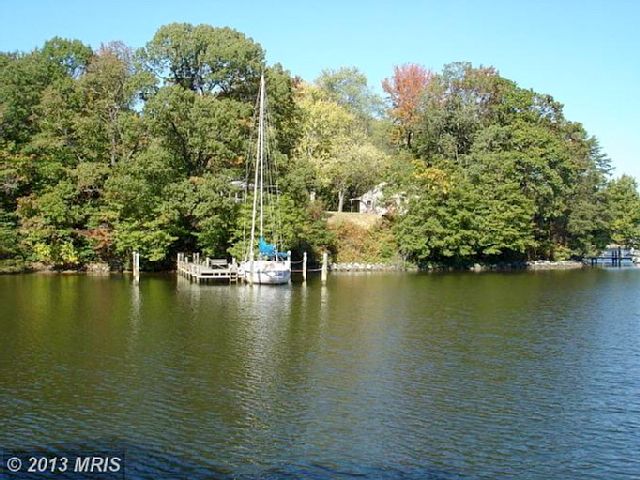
348	87
215	210
335	145
623	204
516	143
50	225
206	59
439	225
296	227
202	132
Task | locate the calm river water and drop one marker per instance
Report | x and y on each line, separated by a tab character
451	376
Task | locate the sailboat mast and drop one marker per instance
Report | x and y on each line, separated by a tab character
257	179
261	134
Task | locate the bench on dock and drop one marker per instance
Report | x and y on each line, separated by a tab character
216	263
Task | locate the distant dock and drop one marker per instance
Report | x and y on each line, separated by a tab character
615	256
207	269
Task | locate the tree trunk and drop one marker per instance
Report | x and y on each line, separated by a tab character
113	116
113	150
340	200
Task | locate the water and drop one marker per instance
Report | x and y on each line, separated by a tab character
454	376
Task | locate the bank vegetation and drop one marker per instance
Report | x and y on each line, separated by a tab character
109	150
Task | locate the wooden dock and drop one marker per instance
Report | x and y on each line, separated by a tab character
614	255
201	271
207	269
614	261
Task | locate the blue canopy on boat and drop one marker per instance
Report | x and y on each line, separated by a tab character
269	250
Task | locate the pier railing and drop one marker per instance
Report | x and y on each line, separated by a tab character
201	270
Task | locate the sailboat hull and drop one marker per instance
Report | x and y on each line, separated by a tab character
266	272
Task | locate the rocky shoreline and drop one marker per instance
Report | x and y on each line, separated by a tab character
370	267
94	268
476	267
98	268
548	265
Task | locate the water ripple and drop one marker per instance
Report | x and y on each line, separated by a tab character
528	376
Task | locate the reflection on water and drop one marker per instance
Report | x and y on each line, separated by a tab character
529	376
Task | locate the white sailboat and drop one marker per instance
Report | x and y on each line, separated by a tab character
269	266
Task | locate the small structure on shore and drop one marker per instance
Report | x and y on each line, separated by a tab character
371	201
375	202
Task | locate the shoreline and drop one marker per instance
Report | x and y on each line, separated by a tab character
535	265
336	267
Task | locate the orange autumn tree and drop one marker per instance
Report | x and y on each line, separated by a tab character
405	90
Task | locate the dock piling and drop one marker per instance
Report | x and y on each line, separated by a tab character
136	266
325	266
304	267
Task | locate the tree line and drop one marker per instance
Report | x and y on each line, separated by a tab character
107	151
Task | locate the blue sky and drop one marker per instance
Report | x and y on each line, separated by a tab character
584	53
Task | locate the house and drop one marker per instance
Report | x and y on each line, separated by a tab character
374	202
371	201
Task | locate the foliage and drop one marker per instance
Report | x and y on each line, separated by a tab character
335	146
107	151
624	207
354	243
8	236
296	229
405	90
502	175
203	133
347	86
206	59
